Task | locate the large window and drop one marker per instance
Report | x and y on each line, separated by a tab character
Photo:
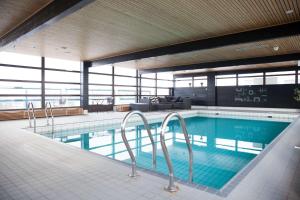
200	81
226	80
184	82
62	82
250	79
20	81
100	85
283	77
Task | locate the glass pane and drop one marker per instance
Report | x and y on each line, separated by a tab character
104	69
101	100
281	72
119	90
200	83
148	91
251	81
148	82
226	76
184	79
7	103
162	91
226	82
167	84
288	79
62	89
150	75
187	83
63	101
20	59
100	79
100	90
165	75
58	76
20	88
124	99
125	71
251	74
62	64
20	73
119	80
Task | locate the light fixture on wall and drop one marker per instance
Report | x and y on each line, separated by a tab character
298	63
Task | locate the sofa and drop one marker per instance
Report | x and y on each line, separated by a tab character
159	103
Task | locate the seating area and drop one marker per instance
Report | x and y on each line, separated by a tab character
161	103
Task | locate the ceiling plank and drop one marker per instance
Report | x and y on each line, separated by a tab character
228	63
46	16
279	31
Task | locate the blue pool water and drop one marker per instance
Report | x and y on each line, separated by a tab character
221	146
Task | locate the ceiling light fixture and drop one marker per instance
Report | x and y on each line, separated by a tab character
288	12
276	48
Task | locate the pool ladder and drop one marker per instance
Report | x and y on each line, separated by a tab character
48	106
171	186
31	112
133	160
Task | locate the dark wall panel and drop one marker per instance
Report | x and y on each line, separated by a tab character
272	96
199	96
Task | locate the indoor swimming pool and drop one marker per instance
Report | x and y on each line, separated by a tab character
221	146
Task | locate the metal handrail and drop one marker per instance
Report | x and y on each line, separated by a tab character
51	115
172	187
30	109
123	126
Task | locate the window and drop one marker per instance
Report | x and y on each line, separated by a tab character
16	73
62	89
183	82
104	69
124	99
165	76
62	64
20	88
250	79
226	80
100	90
200	81
61	76
284	77
164	84
20	59
121	90
63	101
148	91
18	102
125	71
148	82
100	79
119	80
163	92
149	75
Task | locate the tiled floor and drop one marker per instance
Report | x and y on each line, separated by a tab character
35	167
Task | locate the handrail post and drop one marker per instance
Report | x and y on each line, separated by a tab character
51	114
133	160
172	187
30	109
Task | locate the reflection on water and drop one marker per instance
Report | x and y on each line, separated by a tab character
221	147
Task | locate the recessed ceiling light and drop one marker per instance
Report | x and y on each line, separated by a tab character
288	12
276	48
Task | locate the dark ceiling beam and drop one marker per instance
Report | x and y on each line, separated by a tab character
227	63
279	31
46	16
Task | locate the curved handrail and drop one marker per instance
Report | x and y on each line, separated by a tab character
51	115
123	126
171	187
30	109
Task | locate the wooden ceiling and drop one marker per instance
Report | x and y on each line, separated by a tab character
14	12
108	28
